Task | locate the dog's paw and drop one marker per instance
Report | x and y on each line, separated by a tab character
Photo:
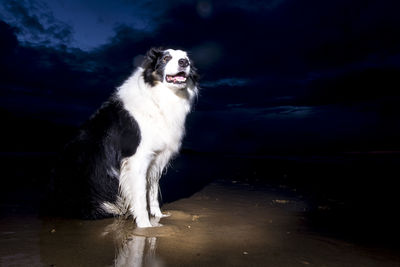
161	215
157	224
144	223
167	214
156	212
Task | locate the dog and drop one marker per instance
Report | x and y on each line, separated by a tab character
113	166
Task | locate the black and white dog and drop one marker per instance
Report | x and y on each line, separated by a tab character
114	165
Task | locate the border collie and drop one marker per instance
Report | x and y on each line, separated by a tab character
113	166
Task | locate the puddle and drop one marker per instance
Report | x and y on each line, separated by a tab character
222	225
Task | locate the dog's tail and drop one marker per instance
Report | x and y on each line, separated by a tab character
119	208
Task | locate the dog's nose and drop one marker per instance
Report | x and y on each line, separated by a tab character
183	62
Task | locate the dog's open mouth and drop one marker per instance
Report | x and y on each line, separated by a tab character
177	78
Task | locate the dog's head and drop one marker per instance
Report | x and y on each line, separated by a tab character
171	67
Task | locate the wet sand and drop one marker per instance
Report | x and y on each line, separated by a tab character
227	223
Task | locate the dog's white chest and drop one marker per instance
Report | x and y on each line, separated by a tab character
159	111
162	126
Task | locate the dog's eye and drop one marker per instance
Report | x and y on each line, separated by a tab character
166	59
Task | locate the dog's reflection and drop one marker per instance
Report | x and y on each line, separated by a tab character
137	251
132	246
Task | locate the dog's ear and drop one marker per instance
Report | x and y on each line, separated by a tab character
150	60
149	65
194	77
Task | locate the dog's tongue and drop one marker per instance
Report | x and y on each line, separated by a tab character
179	78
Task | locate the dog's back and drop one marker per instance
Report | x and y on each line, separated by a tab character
87	172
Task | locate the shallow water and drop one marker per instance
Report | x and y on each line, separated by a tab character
224	224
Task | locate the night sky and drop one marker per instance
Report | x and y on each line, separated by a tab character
277	77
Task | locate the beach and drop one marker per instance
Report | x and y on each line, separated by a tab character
226	223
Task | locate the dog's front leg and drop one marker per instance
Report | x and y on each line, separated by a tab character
153	178
138	206
133	186
153	200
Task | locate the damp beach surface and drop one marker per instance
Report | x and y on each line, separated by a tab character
226	223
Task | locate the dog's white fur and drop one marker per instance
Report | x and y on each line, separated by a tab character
160	112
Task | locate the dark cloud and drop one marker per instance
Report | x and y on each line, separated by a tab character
290	129
354	87
36	24
355	31
44	81
230	82
8	41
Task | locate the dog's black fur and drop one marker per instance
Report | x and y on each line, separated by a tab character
82	178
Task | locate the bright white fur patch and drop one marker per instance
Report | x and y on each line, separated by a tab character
160	112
